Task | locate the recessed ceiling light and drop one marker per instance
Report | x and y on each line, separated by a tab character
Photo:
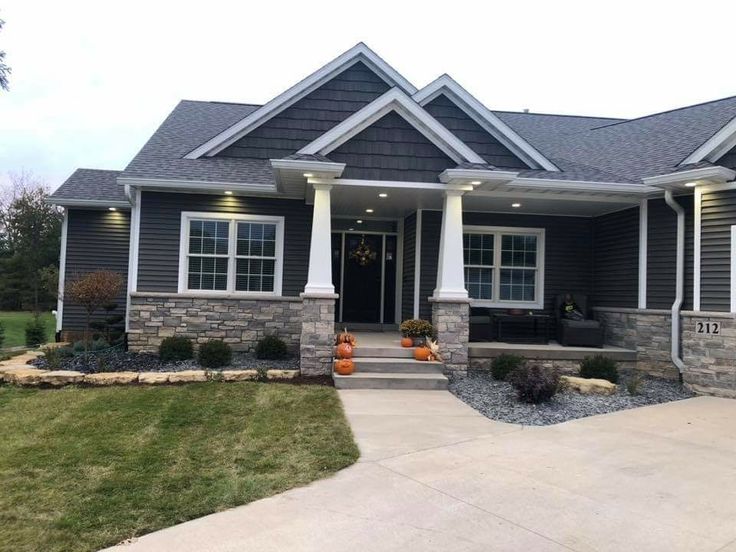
351	229
516	205
476	182
359	221
228	192
691	184
308	175
382	195
112	209
369	210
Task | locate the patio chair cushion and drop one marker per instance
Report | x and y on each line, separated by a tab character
580	323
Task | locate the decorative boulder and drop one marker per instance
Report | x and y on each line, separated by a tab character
59	378
188	376
238	375
589	386
111	378
154	378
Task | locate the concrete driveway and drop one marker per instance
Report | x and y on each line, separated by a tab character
436	475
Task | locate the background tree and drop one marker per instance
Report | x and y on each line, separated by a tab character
93	291
4	69
30	234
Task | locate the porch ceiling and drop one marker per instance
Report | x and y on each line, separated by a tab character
353	201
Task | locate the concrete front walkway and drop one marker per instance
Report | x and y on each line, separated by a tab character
436	475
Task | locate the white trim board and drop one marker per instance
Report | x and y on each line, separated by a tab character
716	146
230	218
643	251
733	268
485	118
135	229
417	262
358	53
697	245
62	273
398	101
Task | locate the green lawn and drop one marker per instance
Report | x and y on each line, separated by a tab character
84	468
14	323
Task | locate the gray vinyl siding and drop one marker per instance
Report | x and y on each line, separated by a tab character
718	214
456	121
391	149
616	259
408	264
311	116
568	258
95	240
661	254
158	250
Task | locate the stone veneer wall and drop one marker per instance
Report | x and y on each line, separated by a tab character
645	331
317	335
566	367
451	321
237	321
710	360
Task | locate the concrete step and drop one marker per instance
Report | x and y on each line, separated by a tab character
382	352
396	365
372	380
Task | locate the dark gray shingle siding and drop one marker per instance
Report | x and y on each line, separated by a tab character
311	116
661	254
718	215
456	121
158	253
96	240
616	259
391	149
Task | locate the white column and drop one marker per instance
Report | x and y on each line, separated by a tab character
319	280
733	268
643	250
450	270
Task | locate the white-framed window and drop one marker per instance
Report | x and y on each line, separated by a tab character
504	266
231	253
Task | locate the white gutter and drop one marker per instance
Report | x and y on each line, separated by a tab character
679	280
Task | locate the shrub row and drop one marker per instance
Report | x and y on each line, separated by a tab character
216	353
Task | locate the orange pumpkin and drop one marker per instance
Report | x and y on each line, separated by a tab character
407	342
345	337
422	353
345	350
344	366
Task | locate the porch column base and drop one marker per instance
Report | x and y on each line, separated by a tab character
451	321
318	334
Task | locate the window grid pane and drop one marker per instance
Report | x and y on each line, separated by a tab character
519	251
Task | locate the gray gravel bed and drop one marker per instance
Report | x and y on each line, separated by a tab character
122	361
497	400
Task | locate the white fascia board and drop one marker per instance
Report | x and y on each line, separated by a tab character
712	175
396	184
485	118
582	186
359	52
716	146
190	185
485	176
321	168
90	203
394	100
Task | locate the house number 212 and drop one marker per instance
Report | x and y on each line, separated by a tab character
708	328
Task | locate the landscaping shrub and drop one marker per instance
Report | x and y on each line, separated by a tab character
635	384
214	354
599	367
271	348
416	328
534	384
54	358
35	332
504	364
98	345
2	335
79	347
173	349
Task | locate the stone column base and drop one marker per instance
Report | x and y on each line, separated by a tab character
318	334
451	321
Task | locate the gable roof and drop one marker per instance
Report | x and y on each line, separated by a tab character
485	118
398	101
360	53
90	185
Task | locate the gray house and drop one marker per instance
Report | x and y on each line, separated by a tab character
354	198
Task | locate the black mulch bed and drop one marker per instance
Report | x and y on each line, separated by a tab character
497	400
123	361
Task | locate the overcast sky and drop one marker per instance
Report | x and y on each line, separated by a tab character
92	80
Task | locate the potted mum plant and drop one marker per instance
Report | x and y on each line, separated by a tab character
416	329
